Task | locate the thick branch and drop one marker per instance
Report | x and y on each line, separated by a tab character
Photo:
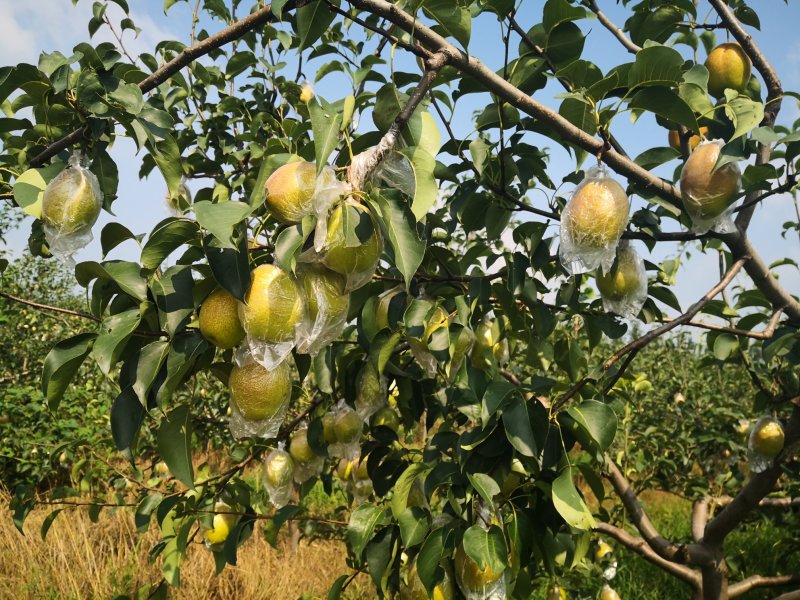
757	581
789	596
639	546
666	549
750	496
609	24
189	54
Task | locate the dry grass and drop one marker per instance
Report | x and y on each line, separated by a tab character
81	559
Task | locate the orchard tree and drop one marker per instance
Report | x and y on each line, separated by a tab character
396	285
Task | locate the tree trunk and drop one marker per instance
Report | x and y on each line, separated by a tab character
715	580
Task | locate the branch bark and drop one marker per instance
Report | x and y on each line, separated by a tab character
757	581
765	334
609	24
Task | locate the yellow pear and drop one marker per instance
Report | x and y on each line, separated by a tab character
470	577
289	191
221	524
597	214
278	469
386	417
728	67
257	393
299	448
707	193
273	305
625	278
347	427
359	258
219	320
767	438
411	587
556	592
72	201
322	290
609	593
675	138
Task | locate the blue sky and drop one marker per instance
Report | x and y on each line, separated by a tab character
30	27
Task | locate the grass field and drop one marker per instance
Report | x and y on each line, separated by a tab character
82	559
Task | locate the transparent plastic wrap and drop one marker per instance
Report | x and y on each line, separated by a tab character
353	244
179	203
593	222
289	191
372	392
307	463
279	476
271	315
624	287
325	308
221	526
765	443
259	398
360	484
419	347
708	195
328	191
396	172
71	204
346	432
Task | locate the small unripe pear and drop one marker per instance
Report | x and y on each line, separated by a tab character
219	320
707	193
257	393
72	201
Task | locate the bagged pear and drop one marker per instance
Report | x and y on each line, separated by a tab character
624	287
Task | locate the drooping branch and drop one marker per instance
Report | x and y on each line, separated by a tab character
609	24
163	73
639	546
757	488
765	334
759	581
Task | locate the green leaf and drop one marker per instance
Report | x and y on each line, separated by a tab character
29	188
569	503
426	190
745	113
290	242
220	219
326	123
362	525
175	444
455	19
127	416
485	485
280	517
665	103
148	364
115	331
656	65
48	522
335	593
724	345
517	424
598	420
185	349
61	365
173	297
558	11
167	157
112	235
401	230
312	21
413	523
230	267
127	276
486	547
168	235
494	397
402	486
429	557
580	114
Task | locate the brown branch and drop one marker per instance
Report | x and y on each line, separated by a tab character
758	581
757	488
609	24
789	596
700	512
791	181
666	549
639	546
668	236
766	334
187	55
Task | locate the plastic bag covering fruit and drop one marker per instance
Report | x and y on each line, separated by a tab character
556	592
325	308
728	68
346	426
437	320
624	287
221	526
179	202
488	337
708	194
411	587
360	483
765	443
371	393
353	244
592	223
476	583
289	191
219	320
307	463
259	399
270	315
71	204
279	476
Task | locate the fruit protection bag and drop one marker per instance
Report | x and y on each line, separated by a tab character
239	424
327	192
347	427
624	287
71	203
494	590
592	223
272	315
372	392
279	476
761	453
359	485
326	307
709	194
181	201
310	465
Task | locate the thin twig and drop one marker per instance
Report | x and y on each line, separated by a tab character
609	24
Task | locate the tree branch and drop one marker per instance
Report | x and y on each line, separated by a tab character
609	24
757	581
789	596
639	546
766	334
159	76
750	496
